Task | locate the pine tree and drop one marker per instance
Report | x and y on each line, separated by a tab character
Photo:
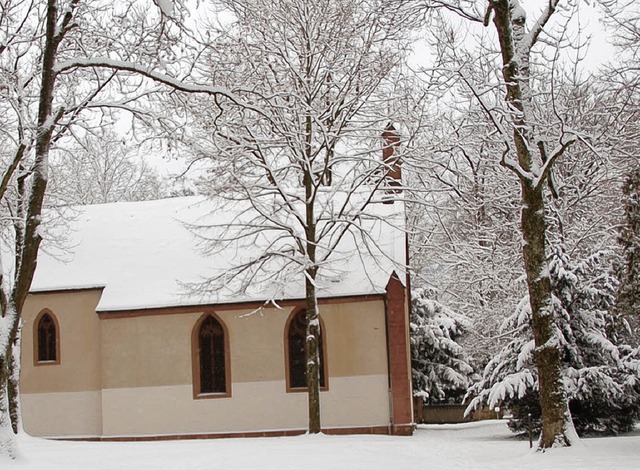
601	378
628	296
441	369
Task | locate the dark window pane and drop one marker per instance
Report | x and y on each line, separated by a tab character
46	339
212	357
297	355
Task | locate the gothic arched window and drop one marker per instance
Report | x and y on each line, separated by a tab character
46	338
296	359
212	369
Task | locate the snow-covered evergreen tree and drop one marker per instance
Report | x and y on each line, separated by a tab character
628	300
441	369
601	378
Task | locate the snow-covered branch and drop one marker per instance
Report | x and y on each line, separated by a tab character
154	75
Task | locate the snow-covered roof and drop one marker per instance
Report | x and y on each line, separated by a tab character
151	255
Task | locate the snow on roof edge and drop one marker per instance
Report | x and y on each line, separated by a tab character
122	248
205	305
51	290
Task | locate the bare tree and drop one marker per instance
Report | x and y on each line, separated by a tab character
303	174
101	168
530	148
63	66
464	225
622	106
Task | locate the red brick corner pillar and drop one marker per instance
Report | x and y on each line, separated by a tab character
396	308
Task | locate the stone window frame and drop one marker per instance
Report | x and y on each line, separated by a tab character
36	338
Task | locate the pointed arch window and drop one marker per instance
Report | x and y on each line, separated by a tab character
296	359
211	358
46	339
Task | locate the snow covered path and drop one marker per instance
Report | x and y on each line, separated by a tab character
486	445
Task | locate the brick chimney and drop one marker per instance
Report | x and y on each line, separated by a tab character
393	171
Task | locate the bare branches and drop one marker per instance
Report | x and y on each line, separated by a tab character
466	9
305	155
8	173
532	134
549	161
153	74
541	22
45	95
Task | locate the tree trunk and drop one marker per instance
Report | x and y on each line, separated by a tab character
14	385
28	241
9	323
313	356
313	323
515	46
7	436
553	400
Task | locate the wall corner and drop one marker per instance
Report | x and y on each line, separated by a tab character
397	316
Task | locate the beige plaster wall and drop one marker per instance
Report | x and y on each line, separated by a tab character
143	367
149	351
356	338
79	335
64	398
254	406
62	414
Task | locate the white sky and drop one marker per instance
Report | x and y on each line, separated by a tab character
583	27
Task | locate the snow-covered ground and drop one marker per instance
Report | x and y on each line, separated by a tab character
484	445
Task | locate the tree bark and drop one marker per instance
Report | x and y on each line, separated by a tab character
313	356
10	320
553	400
7	436
313	322
14	385
27	247
515	45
